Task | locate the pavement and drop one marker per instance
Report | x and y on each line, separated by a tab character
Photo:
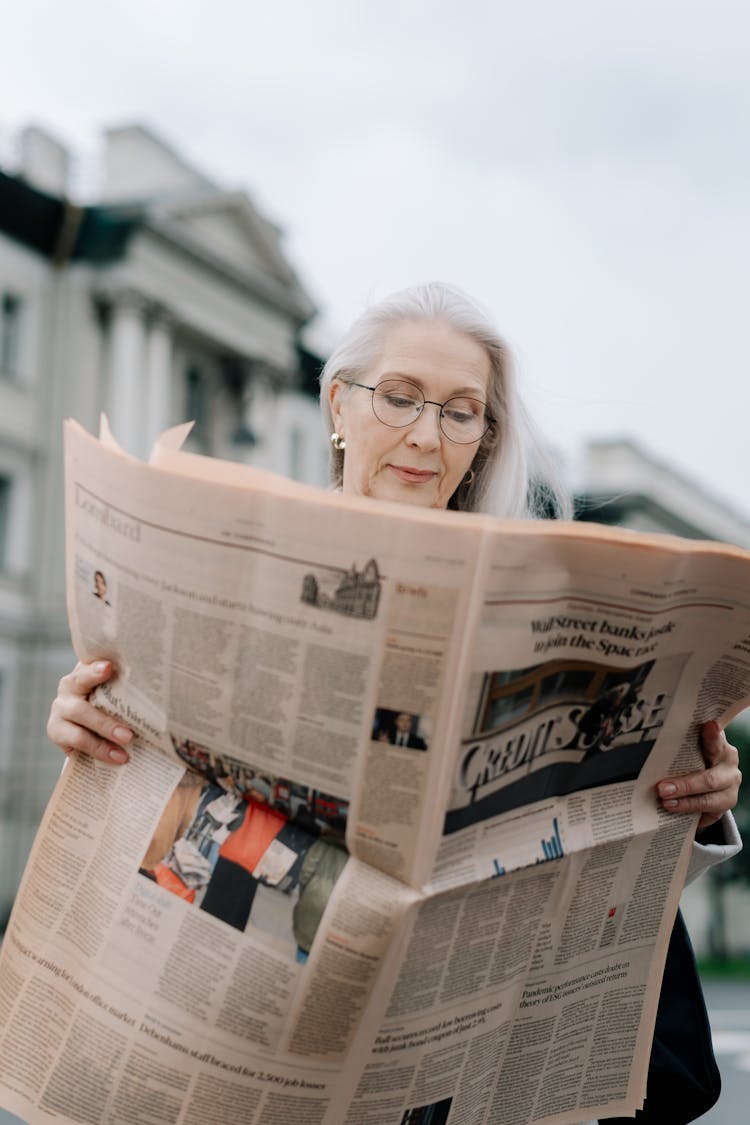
729	1008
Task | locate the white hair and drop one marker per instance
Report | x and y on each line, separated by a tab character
514	474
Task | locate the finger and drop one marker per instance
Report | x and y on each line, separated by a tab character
713	742
707	816
74	709
725	775
720	756
711	804
719	802
711	809
75	724
85	677
710	792
75	739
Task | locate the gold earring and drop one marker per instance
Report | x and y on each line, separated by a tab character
469	478
337	441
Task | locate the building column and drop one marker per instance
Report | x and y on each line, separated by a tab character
126	374
159	361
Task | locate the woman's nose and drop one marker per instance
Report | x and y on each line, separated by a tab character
425	430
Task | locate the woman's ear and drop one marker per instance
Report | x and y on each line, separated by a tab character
336	393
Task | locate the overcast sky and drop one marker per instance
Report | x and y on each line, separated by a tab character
581	167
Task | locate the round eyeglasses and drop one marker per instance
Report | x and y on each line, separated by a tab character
398	403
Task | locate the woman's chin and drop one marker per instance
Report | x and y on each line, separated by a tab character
419	496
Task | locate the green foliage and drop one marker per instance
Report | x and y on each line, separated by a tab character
730	968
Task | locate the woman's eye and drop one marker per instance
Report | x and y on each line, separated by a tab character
463	411
401	402
461	417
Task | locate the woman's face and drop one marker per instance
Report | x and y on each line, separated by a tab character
416	464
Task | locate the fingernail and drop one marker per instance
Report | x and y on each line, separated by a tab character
100	667
122	734
115	754
670	804
667	790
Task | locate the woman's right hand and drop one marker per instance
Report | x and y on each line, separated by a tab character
75	724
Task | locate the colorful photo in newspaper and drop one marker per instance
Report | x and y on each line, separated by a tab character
557	728
257	851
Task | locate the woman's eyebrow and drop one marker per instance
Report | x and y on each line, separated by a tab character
469	389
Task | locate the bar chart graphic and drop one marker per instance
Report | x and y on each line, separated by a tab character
529	847
552	848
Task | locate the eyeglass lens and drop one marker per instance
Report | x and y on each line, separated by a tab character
399	403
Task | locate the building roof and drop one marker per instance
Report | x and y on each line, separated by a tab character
624	484
219	231
57	228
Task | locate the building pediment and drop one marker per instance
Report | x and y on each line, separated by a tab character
228	225
150	183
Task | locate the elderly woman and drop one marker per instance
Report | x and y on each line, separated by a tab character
422	407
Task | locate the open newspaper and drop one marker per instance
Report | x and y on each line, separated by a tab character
388	848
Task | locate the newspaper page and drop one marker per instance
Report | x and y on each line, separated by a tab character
528	985
414	868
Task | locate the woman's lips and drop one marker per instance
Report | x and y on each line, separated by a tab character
413	476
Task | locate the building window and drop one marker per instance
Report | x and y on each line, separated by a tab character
5	488
10	335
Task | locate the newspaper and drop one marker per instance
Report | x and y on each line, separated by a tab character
387	849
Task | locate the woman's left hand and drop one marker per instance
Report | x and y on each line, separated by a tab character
712	791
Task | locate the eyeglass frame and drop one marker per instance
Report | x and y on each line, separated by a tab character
425	402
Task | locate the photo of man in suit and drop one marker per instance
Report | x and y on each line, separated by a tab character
399	728
404	733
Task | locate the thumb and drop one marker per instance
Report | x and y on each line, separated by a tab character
712	741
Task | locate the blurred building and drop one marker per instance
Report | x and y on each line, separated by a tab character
619	483
169	299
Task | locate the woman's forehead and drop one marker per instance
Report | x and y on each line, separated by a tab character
431	351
